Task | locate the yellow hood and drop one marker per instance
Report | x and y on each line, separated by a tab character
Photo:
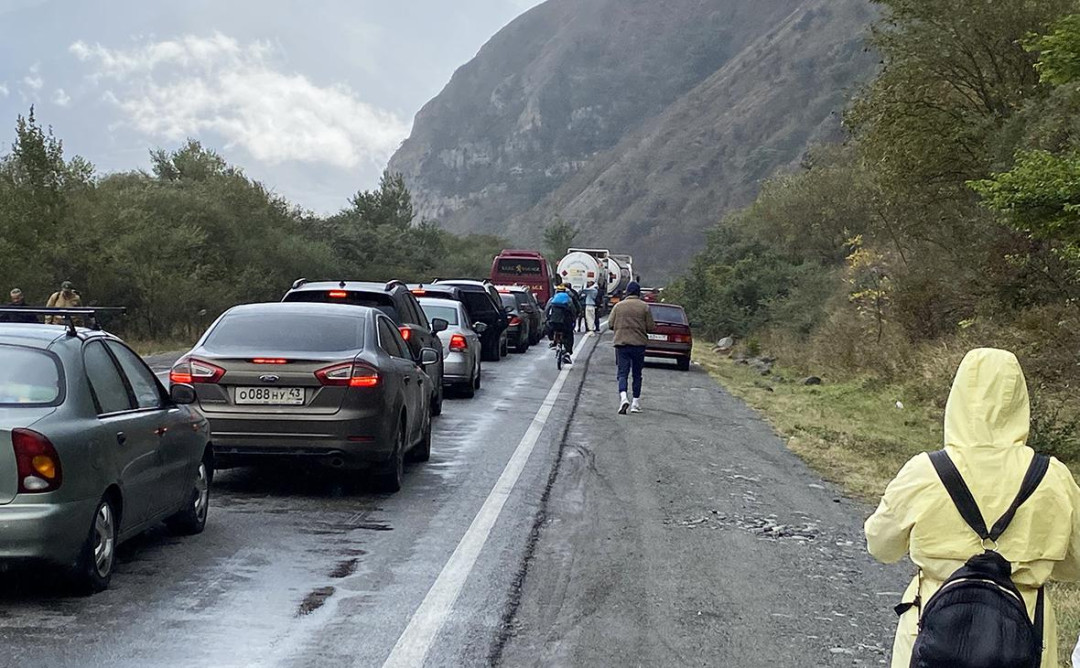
988	404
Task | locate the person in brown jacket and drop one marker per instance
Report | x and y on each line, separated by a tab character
67	297
632	321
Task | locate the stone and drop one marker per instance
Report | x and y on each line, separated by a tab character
811	380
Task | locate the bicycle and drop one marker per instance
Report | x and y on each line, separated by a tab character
562	353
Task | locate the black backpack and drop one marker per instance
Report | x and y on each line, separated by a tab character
977	619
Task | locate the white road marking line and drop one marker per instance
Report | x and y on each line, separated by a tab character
424	626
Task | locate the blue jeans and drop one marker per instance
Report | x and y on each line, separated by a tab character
630	358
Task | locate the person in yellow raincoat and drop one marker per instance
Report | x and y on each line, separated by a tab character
66	297
987	419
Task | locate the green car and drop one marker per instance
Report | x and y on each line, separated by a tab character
93	450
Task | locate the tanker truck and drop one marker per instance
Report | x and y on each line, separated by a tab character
620	273
581	265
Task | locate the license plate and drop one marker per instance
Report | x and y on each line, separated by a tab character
270	396
658	337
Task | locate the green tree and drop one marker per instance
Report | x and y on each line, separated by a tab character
559	236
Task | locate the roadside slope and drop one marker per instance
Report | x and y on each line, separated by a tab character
688	535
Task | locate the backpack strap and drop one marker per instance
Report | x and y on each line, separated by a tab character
958	490
1040	603
965	502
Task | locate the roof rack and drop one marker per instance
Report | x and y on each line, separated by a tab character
68	314
298	282
393	282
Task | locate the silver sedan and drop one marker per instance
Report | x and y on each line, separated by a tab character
461	344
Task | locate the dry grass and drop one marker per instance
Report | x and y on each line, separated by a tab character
145	348
851	431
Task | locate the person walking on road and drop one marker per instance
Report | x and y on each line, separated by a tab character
632	322
67	297
17	301
590	295
987	421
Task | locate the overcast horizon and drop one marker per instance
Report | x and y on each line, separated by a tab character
310	99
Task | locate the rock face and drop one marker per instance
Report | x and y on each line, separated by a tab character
642	121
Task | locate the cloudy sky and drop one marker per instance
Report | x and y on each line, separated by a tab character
309	97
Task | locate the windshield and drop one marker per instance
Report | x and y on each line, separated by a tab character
669	314
28	377
447	313
252	333
380	301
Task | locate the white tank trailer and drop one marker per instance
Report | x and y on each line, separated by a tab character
581	265
620	273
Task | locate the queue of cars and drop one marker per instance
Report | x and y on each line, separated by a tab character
348	375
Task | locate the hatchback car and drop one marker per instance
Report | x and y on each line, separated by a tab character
672	338
327	383
397	302
461	344
529	307
484	304
93	450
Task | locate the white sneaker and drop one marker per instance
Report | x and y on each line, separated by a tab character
623	407
635	407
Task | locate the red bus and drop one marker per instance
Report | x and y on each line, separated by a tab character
524	267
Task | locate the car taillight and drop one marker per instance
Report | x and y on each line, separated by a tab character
682	338
406	332
190	370
338	294
348	375
458	343
269	360
36	461
514	320
419	293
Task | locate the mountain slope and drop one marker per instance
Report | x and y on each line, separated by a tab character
642	121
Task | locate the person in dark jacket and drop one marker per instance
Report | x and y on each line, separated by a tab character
17	301
561	316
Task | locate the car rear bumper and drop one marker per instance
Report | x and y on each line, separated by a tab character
669	350
457	368
51	532
352	443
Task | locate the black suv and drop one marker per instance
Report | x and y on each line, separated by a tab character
483	303
398	303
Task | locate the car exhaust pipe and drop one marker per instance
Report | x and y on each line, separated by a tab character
337	462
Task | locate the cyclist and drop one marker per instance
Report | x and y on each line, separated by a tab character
561	316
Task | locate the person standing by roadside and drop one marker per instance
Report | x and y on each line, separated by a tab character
17	301
601	300
67	297
590	295
632	321
987	421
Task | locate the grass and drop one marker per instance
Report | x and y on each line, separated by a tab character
157	347
852	432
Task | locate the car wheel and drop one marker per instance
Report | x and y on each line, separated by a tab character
684	364
522	346
94	568
479	375
468	389
422	451
504	348
390	479
192	518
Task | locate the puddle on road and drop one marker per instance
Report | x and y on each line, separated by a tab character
314	600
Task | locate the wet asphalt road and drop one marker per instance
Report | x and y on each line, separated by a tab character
299	568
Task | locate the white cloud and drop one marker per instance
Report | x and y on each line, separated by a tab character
34	81
4	92
192	85
61	98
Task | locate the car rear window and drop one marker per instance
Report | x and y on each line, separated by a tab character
381	301
509	301
478	303
447	313
670	314
255	333
28	377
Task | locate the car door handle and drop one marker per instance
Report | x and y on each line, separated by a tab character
121	437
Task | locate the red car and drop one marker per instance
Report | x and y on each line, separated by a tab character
672	338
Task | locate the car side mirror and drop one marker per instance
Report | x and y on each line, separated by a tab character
428	356
182	394
479	327
439	325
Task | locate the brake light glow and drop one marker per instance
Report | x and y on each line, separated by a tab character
420	293
348	374
36	461
406	332
458	343
338	294
514	320
191	370
269	360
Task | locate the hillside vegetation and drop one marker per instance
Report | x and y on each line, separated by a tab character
638	121
193	236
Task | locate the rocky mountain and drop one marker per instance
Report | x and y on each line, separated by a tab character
641	121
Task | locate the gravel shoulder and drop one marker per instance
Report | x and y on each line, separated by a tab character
689	535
